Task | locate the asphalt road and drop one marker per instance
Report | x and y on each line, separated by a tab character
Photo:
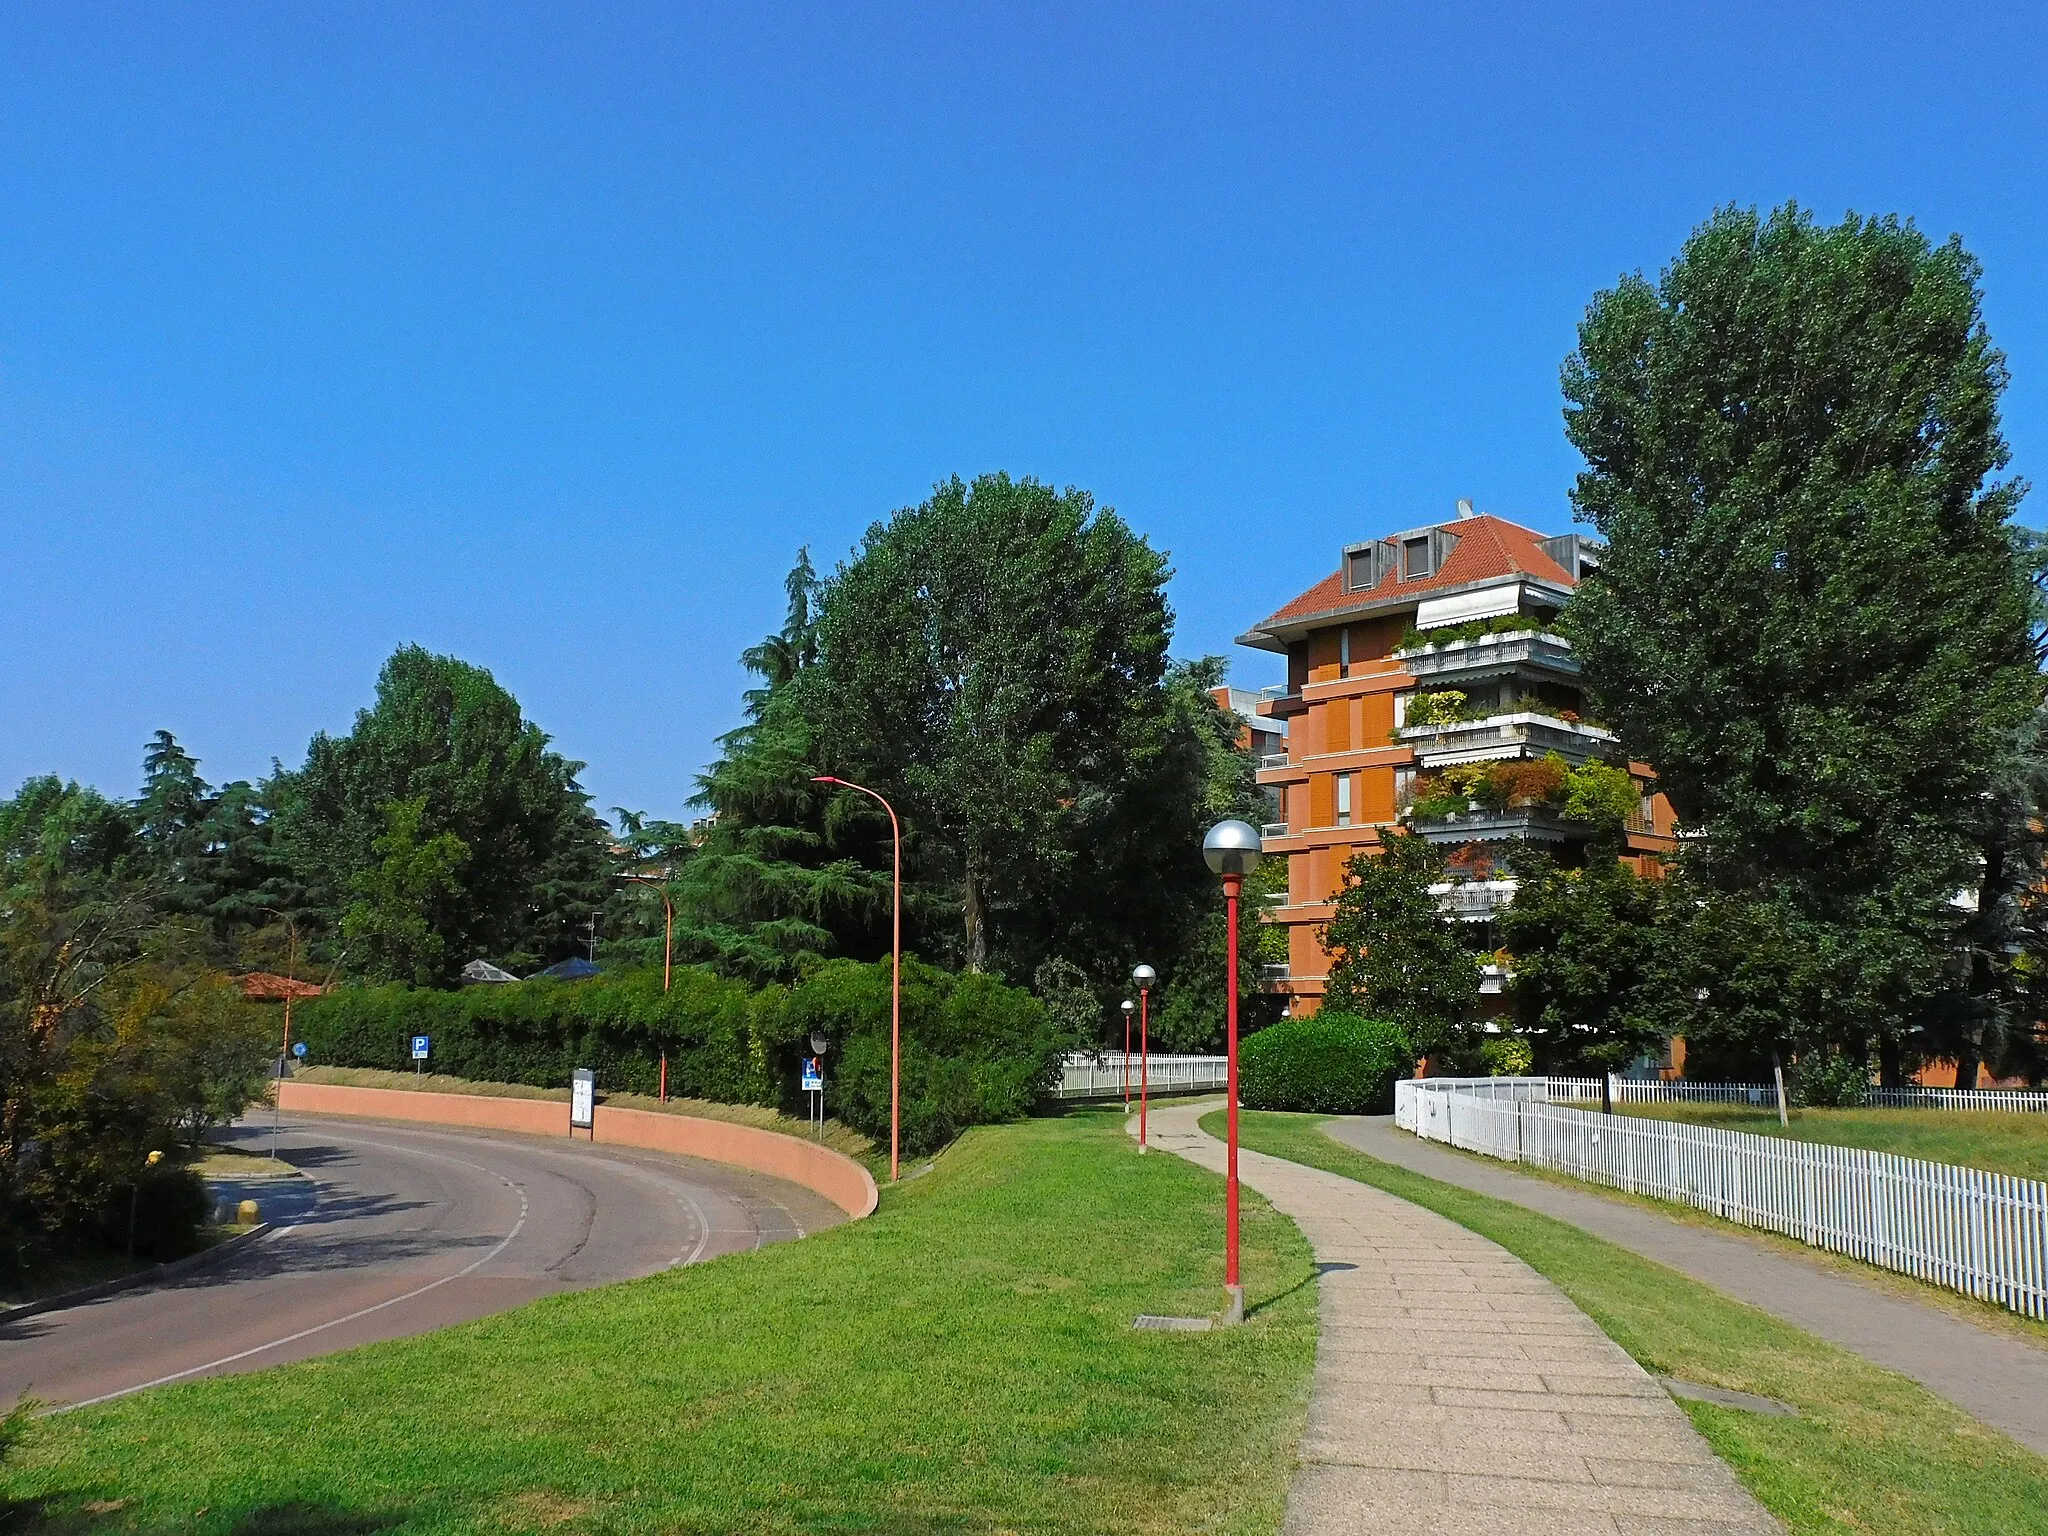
398	1230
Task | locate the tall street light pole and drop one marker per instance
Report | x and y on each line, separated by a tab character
1129	1009
1144	976
895	973
668	950
1232	850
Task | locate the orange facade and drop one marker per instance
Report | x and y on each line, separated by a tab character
1398	622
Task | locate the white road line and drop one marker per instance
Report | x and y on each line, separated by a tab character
306	1333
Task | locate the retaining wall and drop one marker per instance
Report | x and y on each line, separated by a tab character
831	1174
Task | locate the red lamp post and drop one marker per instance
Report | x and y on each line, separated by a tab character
895	974
1232	850
668	949
1144	976
1129	1008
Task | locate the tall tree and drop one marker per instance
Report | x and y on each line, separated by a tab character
444	734
1812	615
1395	955
995	660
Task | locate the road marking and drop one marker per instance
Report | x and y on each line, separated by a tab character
362	1312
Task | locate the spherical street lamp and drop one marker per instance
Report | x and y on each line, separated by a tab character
1232	850
895	967
1144	976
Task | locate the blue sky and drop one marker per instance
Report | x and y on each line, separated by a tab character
545	335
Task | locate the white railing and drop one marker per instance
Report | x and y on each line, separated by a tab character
1100	1074
1635	1090
1984	1234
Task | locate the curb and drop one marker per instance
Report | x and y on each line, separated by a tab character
182	1266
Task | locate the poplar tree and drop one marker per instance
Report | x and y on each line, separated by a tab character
1813	613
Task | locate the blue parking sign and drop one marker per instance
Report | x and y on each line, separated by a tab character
419	1047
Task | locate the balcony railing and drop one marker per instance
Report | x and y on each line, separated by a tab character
1273	760
1474	901
1507	736
1272	829
1529	649
1538	823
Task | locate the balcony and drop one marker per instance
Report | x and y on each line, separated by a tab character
1507	736
1272	829
1529	650
1493	979
1279	702
1536	823
1474	901
1273	760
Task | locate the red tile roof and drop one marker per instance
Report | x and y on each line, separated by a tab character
1487	547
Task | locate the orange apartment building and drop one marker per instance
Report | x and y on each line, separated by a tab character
1359	653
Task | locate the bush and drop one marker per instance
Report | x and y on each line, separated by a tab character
1836	1080
170	1207
1331	1063
975	1050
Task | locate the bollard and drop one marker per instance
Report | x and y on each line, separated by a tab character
245	1214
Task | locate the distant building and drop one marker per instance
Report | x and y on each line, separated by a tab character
1263	736
1362	645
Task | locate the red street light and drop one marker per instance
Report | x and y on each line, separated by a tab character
1129	1009
1144	976
1232	850
895	974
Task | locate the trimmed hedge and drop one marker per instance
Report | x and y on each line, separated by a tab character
1330	1063
974	1049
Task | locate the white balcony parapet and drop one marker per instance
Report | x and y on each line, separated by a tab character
1520	650
1273	829
1273	760
1538	823
1474	901
1523	734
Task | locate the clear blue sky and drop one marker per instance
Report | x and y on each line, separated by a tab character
546	335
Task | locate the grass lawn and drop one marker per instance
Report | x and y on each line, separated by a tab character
1870	1451
2003	1143
963	1361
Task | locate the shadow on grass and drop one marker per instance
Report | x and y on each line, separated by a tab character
36	1518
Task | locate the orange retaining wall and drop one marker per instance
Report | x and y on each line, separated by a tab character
832	1174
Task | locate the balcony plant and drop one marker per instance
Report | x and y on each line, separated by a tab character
1476	629
1445	706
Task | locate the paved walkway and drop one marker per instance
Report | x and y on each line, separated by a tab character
1457	1392
1997	1378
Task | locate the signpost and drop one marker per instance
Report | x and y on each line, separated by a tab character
583	1102
814	1083
299	1049
420	1046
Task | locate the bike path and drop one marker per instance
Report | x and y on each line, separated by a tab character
1997	1378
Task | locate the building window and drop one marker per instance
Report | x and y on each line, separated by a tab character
1649	810
1415	558
1361	576
1344	652
1344	799
1404	788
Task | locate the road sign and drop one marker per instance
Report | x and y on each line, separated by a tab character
419	1047
583	1099
814	1076
299	1048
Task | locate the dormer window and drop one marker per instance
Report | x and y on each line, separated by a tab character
1359	572
1417	557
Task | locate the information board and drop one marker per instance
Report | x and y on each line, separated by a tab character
583	1099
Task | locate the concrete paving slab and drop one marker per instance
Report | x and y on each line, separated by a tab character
1457	1391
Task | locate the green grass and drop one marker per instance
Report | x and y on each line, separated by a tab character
1870	1452
963	1361
2003	1143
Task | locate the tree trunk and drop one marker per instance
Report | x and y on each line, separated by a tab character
1891	1064
972	915
1968	1055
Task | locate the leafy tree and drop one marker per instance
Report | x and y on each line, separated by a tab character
1586	971
994	659
403	902
444	734
1813	615
1394	955
787	872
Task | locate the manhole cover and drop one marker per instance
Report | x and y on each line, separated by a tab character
1173	1324
1749	1402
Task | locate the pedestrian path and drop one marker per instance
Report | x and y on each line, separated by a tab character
1457	1391
1994	1376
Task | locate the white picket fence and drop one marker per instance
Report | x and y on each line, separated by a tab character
1984	1234
1100	1075
1635	1090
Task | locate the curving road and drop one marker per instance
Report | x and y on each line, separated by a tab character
397	1230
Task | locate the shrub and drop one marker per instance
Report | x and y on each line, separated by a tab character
1836	1080
975	1050
1330	1063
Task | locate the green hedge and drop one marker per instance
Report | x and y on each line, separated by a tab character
974	1049
1331	1063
